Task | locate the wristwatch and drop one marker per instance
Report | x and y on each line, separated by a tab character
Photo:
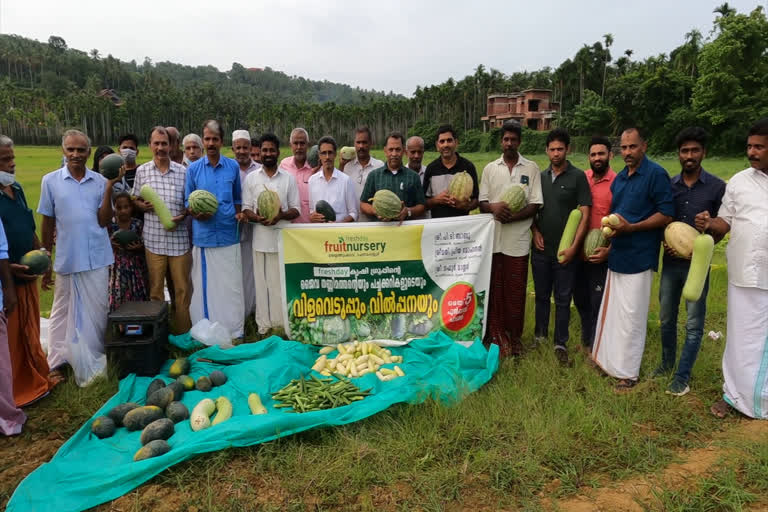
409	213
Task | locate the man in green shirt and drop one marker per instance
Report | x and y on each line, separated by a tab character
394	177
564	188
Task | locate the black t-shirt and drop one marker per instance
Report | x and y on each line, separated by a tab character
437	178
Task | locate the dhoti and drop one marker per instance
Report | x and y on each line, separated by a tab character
217	287
249	286
269	306
11	417
745	360
622	324
78	323
30	368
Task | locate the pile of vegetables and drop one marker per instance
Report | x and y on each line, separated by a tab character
313	394
356	359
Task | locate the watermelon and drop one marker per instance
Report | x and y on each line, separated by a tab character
680	237
347	153
38	262
594	240
325	209
515	197
152	449
268	204
386	204
461	186
202	201
110	166
125	237
313	157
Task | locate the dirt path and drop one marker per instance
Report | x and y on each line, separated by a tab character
624	496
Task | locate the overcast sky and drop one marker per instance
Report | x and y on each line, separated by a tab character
392	45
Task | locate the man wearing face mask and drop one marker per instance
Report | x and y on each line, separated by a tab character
241	147
30	368
128	145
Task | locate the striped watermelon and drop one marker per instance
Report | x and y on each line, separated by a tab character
202	201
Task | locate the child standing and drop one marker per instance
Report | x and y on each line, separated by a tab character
128	277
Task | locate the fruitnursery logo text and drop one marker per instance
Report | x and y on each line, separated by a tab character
353	244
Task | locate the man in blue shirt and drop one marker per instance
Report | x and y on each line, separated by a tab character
642	202
77	202
217	281
695	191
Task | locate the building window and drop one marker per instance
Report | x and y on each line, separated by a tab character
533	105
533	124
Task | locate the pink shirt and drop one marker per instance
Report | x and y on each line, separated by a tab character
601	196
302	176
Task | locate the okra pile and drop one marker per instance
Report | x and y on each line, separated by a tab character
313	394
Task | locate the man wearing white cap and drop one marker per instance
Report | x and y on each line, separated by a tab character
241	147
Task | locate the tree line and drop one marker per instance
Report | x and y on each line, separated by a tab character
716	80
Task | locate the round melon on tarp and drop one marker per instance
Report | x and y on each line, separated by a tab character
110	166
680	237
203	202
38	262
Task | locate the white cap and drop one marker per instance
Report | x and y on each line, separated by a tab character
241	134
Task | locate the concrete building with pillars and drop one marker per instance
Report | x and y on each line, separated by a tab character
532	108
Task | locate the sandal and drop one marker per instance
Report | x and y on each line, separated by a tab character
721	409
624	385
57	377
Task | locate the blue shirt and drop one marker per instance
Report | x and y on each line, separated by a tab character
81	244
706	194
3	256
637	197
223	181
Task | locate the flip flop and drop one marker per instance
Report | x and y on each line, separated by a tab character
721	409
57	377
624	385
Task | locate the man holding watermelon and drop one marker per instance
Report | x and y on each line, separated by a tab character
77	202
642	204
439	174
744	214
695	191
217	280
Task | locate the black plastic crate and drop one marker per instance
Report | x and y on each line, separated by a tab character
137	334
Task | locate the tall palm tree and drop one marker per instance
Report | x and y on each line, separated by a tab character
724	9
608	38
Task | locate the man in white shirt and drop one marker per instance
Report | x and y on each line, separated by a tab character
266	269
332	186
241	147
512	239
359	168
744	213
414	150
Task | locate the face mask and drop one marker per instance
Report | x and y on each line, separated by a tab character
6	179
128	154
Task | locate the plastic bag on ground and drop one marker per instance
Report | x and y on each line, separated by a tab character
211	333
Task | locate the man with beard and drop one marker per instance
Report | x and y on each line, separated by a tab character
241	147
642	201
266	264
512	239
404	182
695	191
298	167
590	278
359	168
30	368
193	148
167	250
77	202
564	188
439	173
743	214
217	279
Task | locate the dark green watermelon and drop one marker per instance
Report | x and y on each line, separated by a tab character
326	210
37	261
110	166
125	237
313	157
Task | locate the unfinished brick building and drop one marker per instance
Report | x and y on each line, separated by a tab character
532	108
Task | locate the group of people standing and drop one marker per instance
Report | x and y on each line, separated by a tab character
224	266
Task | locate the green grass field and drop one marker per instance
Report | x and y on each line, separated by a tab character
537	432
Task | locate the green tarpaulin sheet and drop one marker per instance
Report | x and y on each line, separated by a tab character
87	471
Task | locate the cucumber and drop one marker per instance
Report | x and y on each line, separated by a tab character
161	209
569	233
703	247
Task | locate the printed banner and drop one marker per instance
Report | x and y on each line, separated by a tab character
381	281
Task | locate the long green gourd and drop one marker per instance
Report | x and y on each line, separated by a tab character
569	233
703	247
161	209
